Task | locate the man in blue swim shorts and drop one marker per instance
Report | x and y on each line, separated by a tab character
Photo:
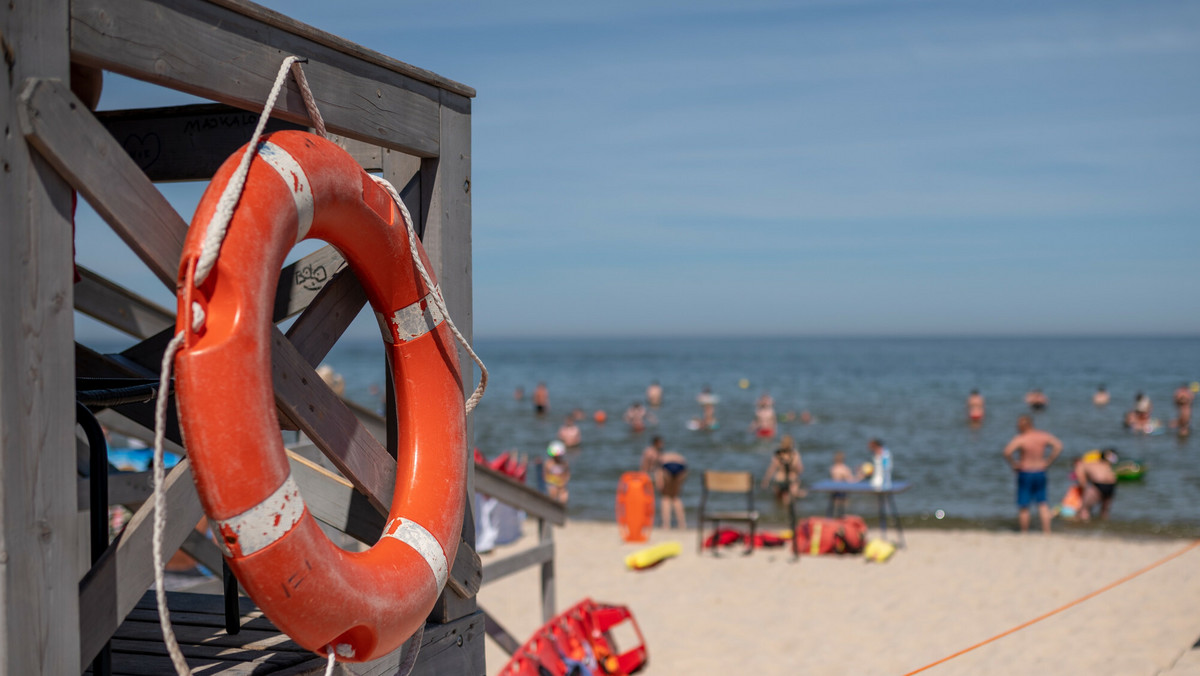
1030	463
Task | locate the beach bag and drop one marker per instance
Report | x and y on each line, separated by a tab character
820	535
852	535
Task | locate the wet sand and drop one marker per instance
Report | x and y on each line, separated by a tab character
767	614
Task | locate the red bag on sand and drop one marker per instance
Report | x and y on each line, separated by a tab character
819	535
852	537
723	538
768	540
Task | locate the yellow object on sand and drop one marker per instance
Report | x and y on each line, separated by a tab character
644	558
879	550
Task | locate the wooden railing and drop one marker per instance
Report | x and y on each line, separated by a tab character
549	513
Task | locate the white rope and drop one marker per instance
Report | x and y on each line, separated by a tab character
160	507
214	234
436	292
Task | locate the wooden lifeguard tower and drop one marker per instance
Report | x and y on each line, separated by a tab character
60	606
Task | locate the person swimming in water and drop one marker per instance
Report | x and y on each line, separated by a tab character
765	419
708	408
1026	453
569	432
975	407
654	394
784	470
1036	400
541	399
1100	398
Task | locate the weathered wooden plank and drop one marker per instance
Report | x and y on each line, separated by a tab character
404	172
119	307
77	145
188	602
446	205
327	317
118	423
454	647
299	392
301	282
213	621
280	658
368	156
515	563
124	488
249	639
490	482
199	547
333	500
184	143
507	642
115	584
358	52
38	524
549	600
210	51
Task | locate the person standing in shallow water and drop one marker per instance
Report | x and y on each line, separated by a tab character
975	407
654	394
541	399
1026	454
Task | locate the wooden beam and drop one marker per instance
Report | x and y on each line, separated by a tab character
199	547
446	210
299	392
77	145
358	52
333	500
115	584
515	494
507	642
515	563
119	307
184	143
225	56
549	601
39	608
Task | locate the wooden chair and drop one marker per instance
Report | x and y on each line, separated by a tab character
727	482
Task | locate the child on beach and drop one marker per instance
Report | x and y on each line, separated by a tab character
556	471
840	471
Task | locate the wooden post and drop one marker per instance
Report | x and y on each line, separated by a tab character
446	204
39	604
546	538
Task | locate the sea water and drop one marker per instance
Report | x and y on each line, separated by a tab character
909	392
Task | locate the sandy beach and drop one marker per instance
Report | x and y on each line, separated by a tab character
768	614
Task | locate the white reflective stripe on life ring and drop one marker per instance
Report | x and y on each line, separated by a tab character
413	321
263	524
416	536
293	174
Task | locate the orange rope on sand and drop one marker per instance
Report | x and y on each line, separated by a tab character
1056	611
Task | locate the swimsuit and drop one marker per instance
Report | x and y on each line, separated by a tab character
1106	490
1031	487
674	468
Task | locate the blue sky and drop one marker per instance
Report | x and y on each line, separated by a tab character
716	168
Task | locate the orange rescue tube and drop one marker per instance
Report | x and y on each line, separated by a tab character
635	506
362	604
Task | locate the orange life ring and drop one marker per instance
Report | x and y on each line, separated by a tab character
365	604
